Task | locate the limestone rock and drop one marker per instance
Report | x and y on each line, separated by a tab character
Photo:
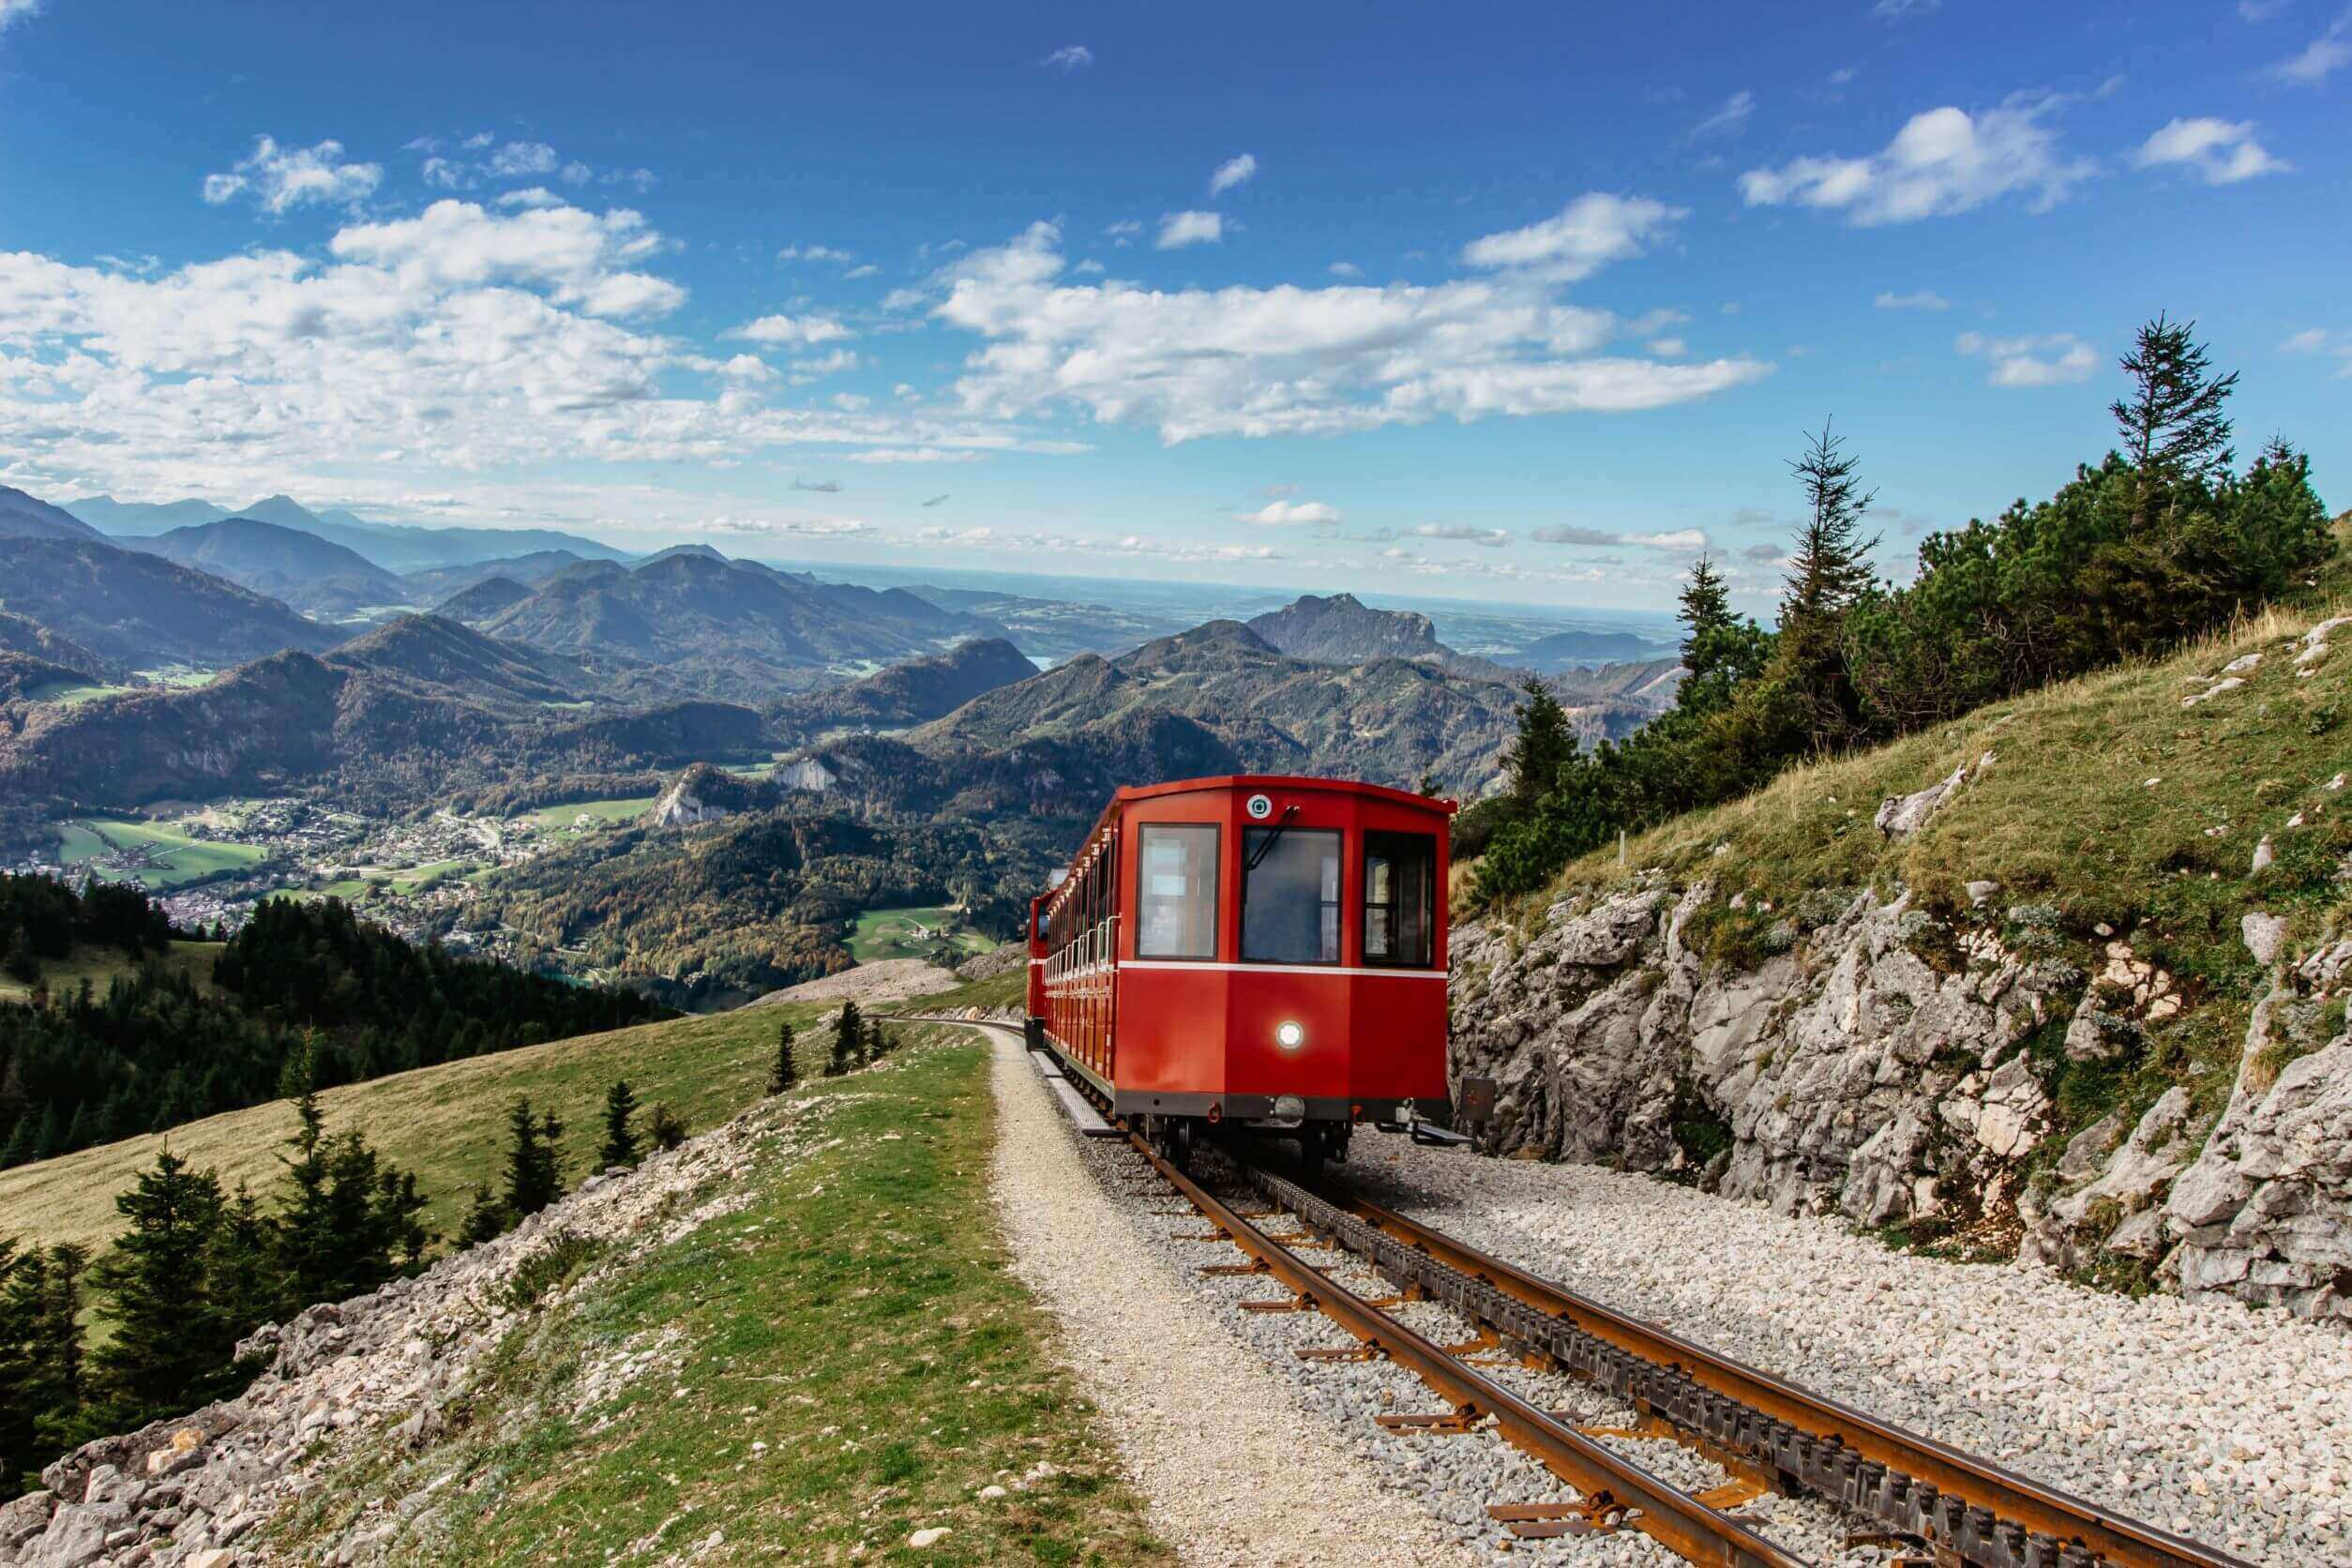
2263	935
1900	816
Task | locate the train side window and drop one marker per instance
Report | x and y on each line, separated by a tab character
1290	896
1176	898
1400	874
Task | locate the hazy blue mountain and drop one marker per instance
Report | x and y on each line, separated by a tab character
143	609
27	517
313	574
109	516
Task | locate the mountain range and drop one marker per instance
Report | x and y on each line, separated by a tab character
143	609
389	546
307	571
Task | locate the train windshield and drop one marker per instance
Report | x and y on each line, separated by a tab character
1176	896
1400	873
1291	896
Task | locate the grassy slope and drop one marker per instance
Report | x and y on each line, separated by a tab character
2065	817
857	1320
444	1123
101	965
891	934
181	857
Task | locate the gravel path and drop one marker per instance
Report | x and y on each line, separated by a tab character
1235	1472
2211	1419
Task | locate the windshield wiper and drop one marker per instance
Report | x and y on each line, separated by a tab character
1266	848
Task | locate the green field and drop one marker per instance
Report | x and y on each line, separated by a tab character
70	694
854	1361
900	934
101	965
556	818
178	858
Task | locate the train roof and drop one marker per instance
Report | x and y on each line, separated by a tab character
1129	794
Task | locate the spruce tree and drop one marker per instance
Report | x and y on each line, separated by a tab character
529	1185
243	1267
1544	746
551	1155
785	1076
169	1347
486	1220
1829	573
620	1138
664	1126
2173	423
849	1041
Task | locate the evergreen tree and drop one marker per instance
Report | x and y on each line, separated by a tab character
530	1178
243	1268
486	1220
2173	424
169	1347
551	1155
664	1126
309	1251
1720	650
1829	573
1546	744
849	1041
620	1138
785	1076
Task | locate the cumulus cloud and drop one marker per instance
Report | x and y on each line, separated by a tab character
1463	533
804	331
1233	171
1586	235
1941	162
1677	541
2321	58
2219	152
1069	57
1288	360
14	11
1180	229
582	255
1729	118
534	196
1345	269
1920	299
1291	514
2052	359
280	179
519	159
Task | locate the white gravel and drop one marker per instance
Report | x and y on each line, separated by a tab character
1234	1470
2211	1419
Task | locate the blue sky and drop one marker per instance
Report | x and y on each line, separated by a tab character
1504	303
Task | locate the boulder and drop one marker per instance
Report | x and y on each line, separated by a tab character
1900	816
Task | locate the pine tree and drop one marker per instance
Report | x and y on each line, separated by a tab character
486	1220
305	1239
170	1343
2173	423
243	1266
1829	573
620	1138
1544	746
528	1184
849	1040
551	1155
785	1076
664	1126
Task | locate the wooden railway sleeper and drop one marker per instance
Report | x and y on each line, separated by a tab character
1770	1450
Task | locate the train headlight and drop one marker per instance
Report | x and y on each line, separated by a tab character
1288	1035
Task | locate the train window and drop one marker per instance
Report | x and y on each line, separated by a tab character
1400	875
1176	896
1290	896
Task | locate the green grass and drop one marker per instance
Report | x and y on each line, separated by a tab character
72	694
549	819
997	991
857	1320
178	857
898	933
445	1123
101	965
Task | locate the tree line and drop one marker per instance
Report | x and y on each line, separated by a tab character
305	982
2163	540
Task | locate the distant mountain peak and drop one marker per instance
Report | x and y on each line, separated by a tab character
1343	629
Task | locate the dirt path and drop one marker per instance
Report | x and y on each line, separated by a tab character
1235	1471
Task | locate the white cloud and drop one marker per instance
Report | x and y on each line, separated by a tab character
1291	514
2052	359
583	256
1918	299
1729	118
575	173
1180	229
1670	348
441	173
2310	340
1069	57
1900	10
799	331
2337	346
1584	236
1680	541
280	179
814	253
14	11
2321	58
476	141
1291	360
516	160
1345	269
1463	533
2220	152
864	270
1941	162
1233	171
534	196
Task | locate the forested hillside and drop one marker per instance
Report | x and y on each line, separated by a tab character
303	986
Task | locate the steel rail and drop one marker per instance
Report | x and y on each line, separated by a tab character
1978	1513
1607	1482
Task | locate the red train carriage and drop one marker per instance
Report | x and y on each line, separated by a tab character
1257	952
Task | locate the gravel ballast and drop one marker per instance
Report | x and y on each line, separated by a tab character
2211	1419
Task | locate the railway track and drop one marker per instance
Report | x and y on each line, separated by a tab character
1947	1508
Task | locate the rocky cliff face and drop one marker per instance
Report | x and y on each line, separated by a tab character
1940	1069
